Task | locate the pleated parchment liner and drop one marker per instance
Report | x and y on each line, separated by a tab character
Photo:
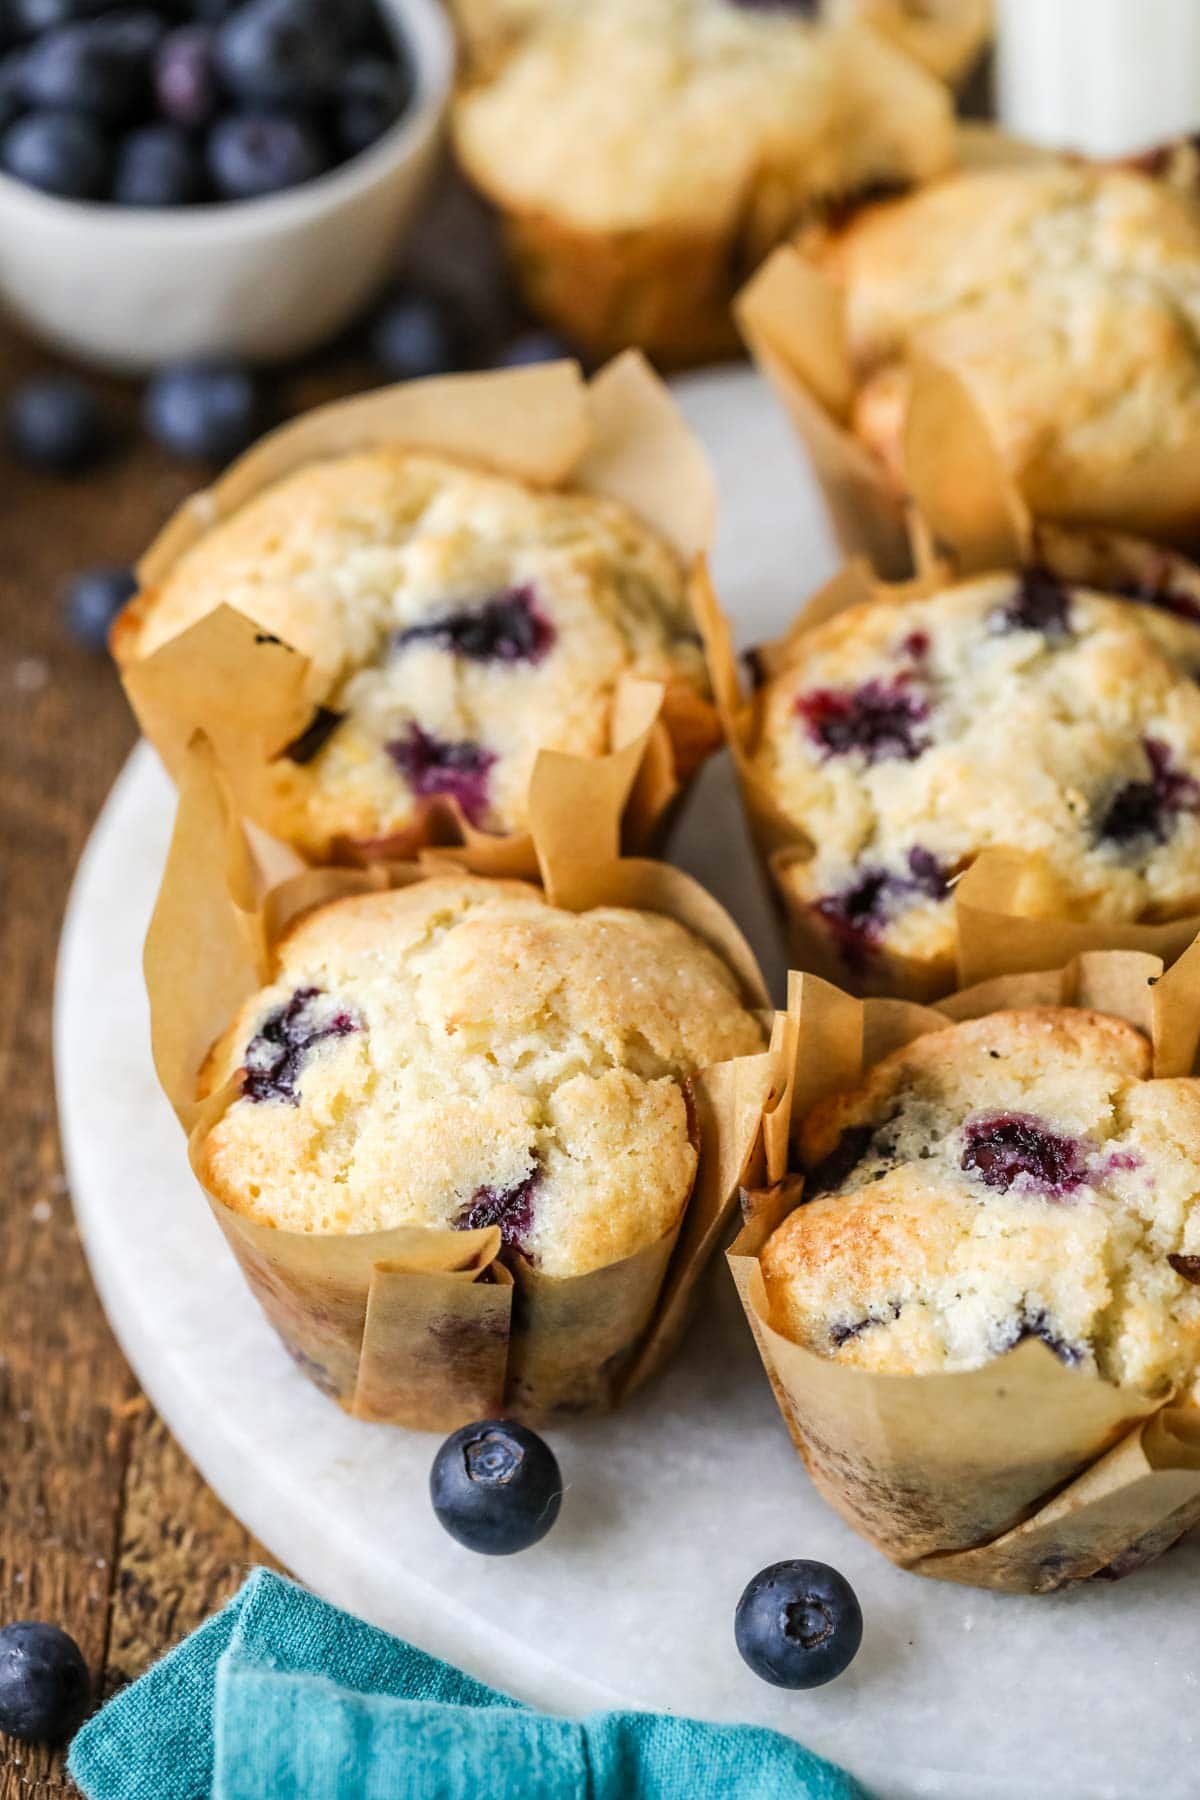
1022	1475
1010	913
254	696
792	318
426	1327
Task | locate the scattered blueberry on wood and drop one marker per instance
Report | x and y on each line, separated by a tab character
55	422
496	1487
43	1683
209	411
414	334
94	598
271	94
798	1624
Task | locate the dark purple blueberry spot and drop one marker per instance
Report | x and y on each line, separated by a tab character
1188	1267
510	1208
1008	1150
1035	1323
315	736
841	1331
857	916
1041	603
433	765
834	1170
279	1049
916	645
508	628
1160	594
878	720
1148	809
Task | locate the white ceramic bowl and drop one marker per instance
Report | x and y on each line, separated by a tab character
262	279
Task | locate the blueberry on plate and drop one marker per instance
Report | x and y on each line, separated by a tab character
414	334
94	598
62	153
278	53
798	1624
253	154
185	81
373	94
496	1487
207	410
43	1683
56	422
158	165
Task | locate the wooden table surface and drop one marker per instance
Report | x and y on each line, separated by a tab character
105	1527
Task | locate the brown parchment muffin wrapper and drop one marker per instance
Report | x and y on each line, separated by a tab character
253	695
1010	911
1022	1475
420	1326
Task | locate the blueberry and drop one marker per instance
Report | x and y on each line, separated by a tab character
1017	1150
878	720
530	347
510	1208
185	81
413	334
1041	603
252	154
278	53
208	410
158	166
283	1043
798	1624
56	422
508	627
100	67
1142	811
94	599
60	152
43	1683
496	1487
372	96
457	768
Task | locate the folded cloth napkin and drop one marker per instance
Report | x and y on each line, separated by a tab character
281	1697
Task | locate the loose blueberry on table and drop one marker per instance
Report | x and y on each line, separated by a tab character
55	422
798	1624
94	598
43	1683
145	107
496	1487
205	410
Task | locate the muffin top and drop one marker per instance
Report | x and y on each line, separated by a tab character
945	35
461	621
1006	711
703	115
1015	1176
459	1053
1068	300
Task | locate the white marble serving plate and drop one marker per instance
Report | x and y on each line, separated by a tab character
673	1504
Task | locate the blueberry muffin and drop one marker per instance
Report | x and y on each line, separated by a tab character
1067	299
488	29
946	36
1015	1176
647	153
903	737
459	1054
458	622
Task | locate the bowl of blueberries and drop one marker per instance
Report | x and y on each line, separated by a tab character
210	178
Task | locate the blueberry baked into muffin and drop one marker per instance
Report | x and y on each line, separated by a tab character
1066	298
459	1054
646	154
901	738
1015	1176
458	621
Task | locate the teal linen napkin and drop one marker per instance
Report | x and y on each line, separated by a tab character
281	1697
